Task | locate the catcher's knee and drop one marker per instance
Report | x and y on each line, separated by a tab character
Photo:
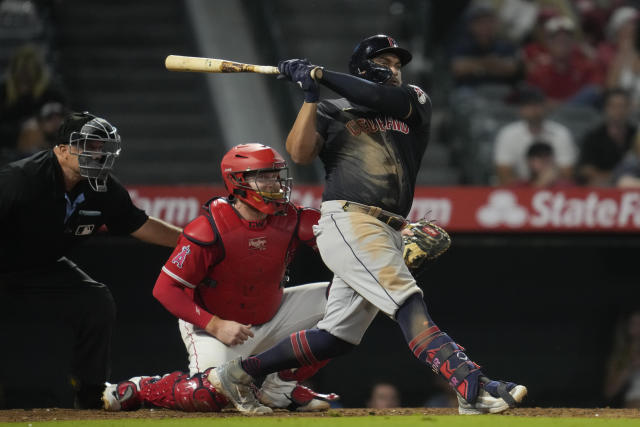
197	394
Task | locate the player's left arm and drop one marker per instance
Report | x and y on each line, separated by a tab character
404	102
158	232
387	99
308	217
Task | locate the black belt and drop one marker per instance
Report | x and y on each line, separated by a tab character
394	221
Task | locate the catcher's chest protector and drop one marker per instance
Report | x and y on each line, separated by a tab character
246	285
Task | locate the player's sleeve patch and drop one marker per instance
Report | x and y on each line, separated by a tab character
181	257
421	96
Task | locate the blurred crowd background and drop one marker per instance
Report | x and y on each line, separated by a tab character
526	93
539	93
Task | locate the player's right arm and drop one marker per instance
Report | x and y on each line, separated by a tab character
304	142
184	270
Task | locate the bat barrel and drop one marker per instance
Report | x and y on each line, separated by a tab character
213	65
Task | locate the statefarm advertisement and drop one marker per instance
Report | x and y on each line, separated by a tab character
458	209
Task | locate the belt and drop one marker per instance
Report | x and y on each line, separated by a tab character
394	221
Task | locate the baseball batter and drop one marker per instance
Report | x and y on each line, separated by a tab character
371	143
224	281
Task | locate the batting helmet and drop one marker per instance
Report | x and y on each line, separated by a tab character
361	65
257	175
97	144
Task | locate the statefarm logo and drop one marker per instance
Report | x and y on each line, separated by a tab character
502	209
556	209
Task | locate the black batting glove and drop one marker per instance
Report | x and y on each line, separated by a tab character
299	71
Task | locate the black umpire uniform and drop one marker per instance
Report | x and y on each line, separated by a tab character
41	291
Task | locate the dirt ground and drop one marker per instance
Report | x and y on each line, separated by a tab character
50	414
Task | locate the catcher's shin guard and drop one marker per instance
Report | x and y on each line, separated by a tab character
197	394
172	391
180	391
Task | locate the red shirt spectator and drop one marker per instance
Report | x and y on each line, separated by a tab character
562	69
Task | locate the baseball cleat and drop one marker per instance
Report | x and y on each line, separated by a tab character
124	396
493	397
233	382
109	398
301	399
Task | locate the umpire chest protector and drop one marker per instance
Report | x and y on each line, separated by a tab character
246	285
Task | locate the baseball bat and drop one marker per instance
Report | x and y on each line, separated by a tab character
213	65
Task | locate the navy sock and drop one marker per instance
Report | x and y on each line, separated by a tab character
300	349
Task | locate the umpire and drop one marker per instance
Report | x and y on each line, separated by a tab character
49	203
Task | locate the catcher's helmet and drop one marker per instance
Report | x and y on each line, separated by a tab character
361	65
97	144
257	175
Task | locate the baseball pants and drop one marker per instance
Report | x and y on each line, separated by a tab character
370	275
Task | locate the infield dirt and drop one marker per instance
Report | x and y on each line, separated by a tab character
51	414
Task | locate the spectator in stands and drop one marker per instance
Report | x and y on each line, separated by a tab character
481	56
534	51
26	88
514	139
384	395
622	383
619	55
517	18
542	168
604	146
39	133
627	172
565	72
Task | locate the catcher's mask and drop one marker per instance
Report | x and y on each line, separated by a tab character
361	64
257	175
97	145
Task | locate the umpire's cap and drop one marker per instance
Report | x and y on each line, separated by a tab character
374	46
73	123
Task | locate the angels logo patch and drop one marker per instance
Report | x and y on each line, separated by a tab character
182	256
422	97
258	243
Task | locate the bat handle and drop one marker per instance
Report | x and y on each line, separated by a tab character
316	73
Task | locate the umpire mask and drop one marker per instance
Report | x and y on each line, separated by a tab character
97	145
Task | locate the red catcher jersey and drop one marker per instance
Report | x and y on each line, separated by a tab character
236	267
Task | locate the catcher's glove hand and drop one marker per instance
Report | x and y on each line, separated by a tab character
428	242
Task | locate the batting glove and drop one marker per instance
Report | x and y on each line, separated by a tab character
299	71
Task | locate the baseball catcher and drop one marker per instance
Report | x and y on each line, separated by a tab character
224	282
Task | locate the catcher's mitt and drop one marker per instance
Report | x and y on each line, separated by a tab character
428	242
